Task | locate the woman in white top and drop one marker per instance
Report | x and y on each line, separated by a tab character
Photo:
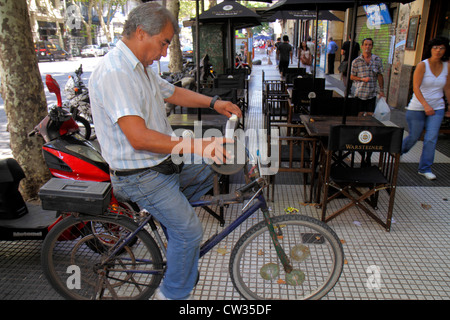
305	57
426	109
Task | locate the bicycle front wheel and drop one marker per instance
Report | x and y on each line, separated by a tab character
314	251
81	259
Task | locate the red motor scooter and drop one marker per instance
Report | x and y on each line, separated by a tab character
69	156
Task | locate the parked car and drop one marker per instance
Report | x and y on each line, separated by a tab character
92	51
45	50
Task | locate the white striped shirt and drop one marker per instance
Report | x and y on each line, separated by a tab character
119	87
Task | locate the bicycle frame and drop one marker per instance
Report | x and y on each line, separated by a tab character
247	212
214	240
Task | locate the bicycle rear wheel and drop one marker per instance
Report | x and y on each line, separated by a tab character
314	250
78	262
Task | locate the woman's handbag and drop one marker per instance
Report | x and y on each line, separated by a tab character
306	60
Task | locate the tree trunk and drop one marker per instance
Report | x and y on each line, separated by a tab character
88	24
176	57
22	92
105	28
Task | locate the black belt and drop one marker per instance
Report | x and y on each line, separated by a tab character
166	167
122	173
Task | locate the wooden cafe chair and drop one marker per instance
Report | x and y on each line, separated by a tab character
296	154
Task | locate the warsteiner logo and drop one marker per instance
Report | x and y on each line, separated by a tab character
365	137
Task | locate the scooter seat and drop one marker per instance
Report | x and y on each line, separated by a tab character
12	205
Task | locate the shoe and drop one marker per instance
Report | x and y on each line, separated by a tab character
428	175
160	296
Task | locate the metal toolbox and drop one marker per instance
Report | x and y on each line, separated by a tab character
75	196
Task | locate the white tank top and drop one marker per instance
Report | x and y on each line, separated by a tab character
432	89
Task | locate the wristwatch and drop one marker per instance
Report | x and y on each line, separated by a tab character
213	101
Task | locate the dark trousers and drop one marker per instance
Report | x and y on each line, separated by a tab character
346	80
283	65
331	58
366	105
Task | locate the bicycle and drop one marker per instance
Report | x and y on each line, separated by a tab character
116	255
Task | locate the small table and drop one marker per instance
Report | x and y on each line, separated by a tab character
319	126
208	121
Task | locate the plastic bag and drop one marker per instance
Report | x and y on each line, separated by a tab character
382	110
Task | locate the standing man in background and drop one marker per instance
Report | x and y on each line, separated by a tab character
311	45
345	52
277	53
331	55
285	54
366	70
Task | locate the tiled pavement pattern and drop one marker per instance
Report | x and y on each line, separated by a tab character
413	258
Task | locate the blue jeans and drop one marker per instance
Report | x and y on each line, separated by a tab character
417	122
162	196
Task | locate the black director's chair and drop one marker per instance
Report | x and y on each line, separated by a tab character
359	182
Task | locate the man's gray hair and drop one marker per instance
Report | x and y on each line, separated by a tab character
151	17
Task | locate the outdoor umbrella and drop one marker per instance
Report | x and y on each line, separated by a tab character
235	16
339	5
324	4
262	37
197	51
303	15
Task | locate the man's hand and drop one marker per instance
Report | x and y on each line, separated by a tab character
227	108
213	148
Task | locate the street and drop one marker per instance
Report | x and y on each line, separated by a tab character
60	71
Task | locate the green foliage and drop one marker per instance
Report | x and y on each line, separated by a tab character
187	10
380	49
